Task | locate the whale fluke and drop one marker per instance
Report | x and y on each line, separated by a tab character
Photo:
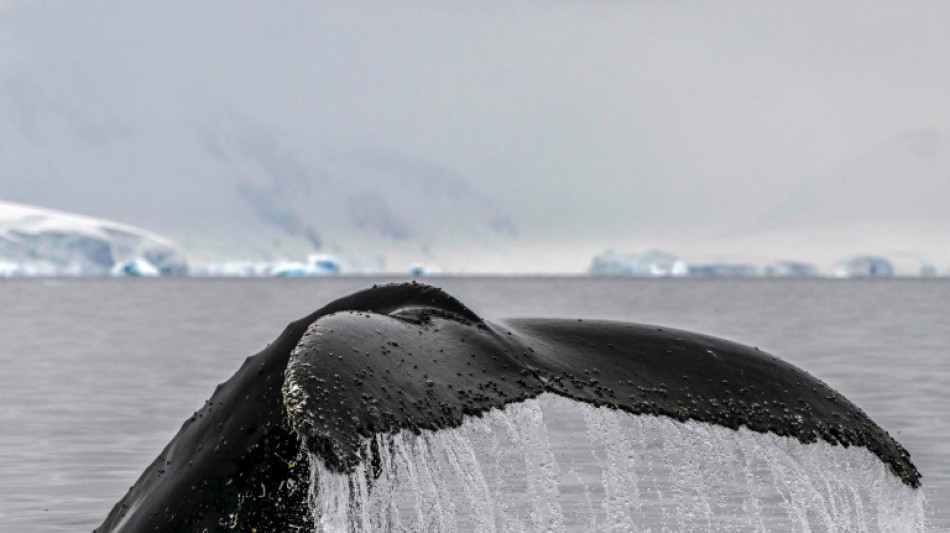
411	357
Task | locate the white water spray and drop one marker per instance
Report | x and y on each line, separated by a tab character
553	464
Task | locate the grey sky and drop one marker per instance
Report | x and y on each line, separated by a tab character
743	128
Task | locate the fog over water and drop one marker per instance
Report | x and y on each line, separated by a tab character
807	131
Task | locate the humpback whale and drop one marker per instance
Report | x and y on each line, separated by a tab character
410	357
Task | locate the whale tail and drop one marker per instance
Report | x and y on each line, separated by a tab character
409	357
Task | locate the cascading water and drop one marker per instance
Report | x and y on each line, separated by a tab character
554	464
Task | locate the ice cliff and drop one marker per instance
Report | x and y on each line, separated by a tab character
38	241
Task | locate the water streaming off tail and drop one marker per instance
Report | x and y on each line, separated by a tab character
553	464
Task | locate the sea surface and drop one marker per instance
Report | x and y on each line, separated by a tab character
97	375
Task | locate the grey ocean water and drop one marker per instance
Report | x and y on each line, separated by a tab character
97	375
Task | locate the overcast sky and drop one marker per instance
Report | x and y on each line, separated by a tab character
716	128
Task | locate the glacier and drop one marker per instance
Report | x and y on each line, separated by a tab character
36	241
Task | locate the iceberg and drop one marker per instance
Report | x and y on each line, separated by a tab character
290	269
135	268
316	265
652	263
728	270
865	266
45	242
235	269
322	265
793	269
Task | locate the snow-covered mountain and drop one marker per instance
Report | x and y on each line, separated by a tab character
41	241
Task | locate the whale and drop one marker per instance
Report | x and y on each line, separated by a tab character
410	357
